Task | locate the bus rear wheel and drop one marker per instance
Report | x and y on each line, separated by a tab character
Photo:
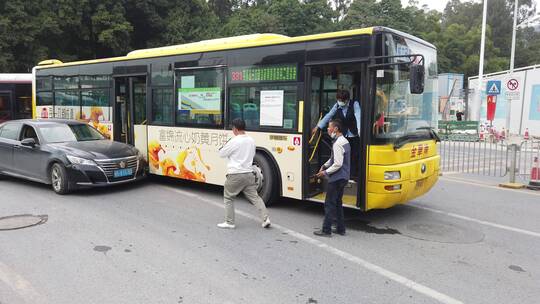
268	188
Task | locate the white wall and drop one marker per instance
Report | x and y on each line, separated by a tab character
520	110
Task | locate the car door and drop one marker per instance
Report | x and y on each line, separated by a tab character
9	135
29	161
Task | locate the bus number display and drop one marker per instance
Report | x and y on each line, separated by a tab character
263	73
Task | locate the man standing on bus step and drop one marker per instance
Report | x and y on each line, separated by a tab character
348	112
337	170
240	177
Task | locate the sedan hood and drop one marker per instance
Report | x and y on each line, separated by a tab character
96	149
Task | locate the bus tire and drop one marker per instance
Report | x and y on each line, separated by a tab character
268	191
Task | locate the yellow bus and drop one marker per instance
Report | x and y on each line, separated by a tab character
175	104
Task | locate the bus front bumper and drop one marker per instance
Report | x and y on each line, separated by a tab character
417	178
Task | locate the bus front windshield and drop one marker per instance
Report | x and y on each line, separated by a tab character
398	113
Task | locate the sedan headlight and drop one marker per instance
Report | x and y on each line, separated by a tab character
80	161
392	175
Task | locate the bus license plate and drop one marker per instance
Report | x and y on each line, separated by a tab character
123	172
420	183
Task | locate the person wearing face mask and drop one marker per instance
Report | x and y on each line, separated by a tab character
337	170
348	112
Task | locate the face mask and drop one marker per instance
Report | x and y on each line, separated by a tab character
341	103
333	135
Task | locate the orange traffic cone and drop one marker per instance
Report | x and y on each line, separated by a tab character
526	135
535	175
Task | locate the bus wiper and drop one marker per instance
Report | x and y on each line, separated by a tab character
400	142
432	133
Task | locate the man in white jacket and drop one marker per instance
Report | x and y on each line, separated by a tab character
240	151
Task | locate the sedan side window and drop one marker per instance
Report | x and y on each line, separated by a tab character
29	132
11	131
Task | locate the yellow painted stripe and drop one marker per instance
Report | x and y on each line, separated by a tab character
300	115
34	94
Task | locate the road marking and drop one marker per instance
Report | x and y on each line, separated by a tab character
21	286
469	182
422	289
509	228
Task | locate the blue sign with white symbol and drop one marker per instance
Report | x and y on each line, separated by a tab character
493	87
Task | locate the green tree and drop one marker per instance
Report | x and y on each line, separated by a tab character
190	21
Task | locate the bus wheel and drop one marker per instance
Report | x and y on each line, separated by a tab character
268	189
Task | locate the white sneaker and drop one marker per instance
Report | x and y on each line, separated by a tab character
266	223
226	225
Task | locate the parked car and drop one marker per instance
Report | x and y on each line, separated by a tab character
66	154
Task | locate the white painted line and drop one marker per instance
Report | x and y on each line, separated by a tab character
422	289
472	182
20	286
509	228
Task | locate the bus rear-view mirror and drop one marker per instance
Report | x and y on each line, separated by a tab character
417	73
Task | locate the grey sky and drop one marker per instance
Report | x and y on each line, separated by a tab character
433	4
441	4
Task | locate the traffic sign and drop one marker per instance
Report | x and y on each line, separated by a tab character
512	84
513	87
493	87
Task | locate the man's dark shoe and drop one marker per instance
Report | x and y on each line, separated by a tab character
334	230
322	233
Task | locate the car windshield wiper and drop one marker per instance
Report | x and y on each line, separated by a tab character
90	139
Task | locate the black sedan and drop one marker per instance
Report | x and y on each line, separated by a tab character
66	154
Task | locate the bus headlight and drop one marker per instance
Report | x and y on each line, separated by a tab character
392	175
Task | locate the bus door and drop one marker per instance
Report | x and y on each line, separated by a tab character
6	111
130	124
323	82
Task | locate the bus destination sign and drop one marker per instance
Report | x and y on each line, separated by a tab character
263	73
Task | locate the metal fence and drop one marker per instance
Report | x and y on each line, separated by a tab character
498	159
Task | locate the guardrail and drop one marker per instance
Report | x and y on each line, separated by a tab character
516	160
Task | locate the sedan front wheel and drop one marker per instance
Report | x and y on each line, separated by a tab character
59	181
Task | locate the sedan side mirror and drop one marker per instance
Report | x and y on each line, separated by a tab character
28	142
417	74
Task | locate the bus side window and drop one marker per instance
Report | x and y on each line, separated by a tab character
5	107
199	97
245	103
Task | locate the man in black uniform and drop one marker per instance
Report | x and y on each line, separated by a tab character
348	112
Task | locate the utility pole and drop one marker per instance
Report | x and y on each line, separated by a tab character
482	49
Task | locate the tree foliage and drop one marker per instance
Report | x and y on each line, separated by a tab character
32	30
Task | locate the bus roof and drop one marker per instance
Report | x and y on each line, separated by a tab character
15	78
228	43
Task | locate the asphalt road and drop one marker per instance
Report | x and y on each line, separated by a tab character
157	242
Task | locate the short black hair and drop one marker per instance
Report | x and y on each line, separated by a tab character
239	124
337	124
343	94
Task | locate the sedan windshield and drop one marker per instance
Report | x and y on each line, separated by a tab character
56	133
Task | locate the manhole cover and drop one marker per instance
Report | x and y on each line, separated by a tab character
443	233
21	221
